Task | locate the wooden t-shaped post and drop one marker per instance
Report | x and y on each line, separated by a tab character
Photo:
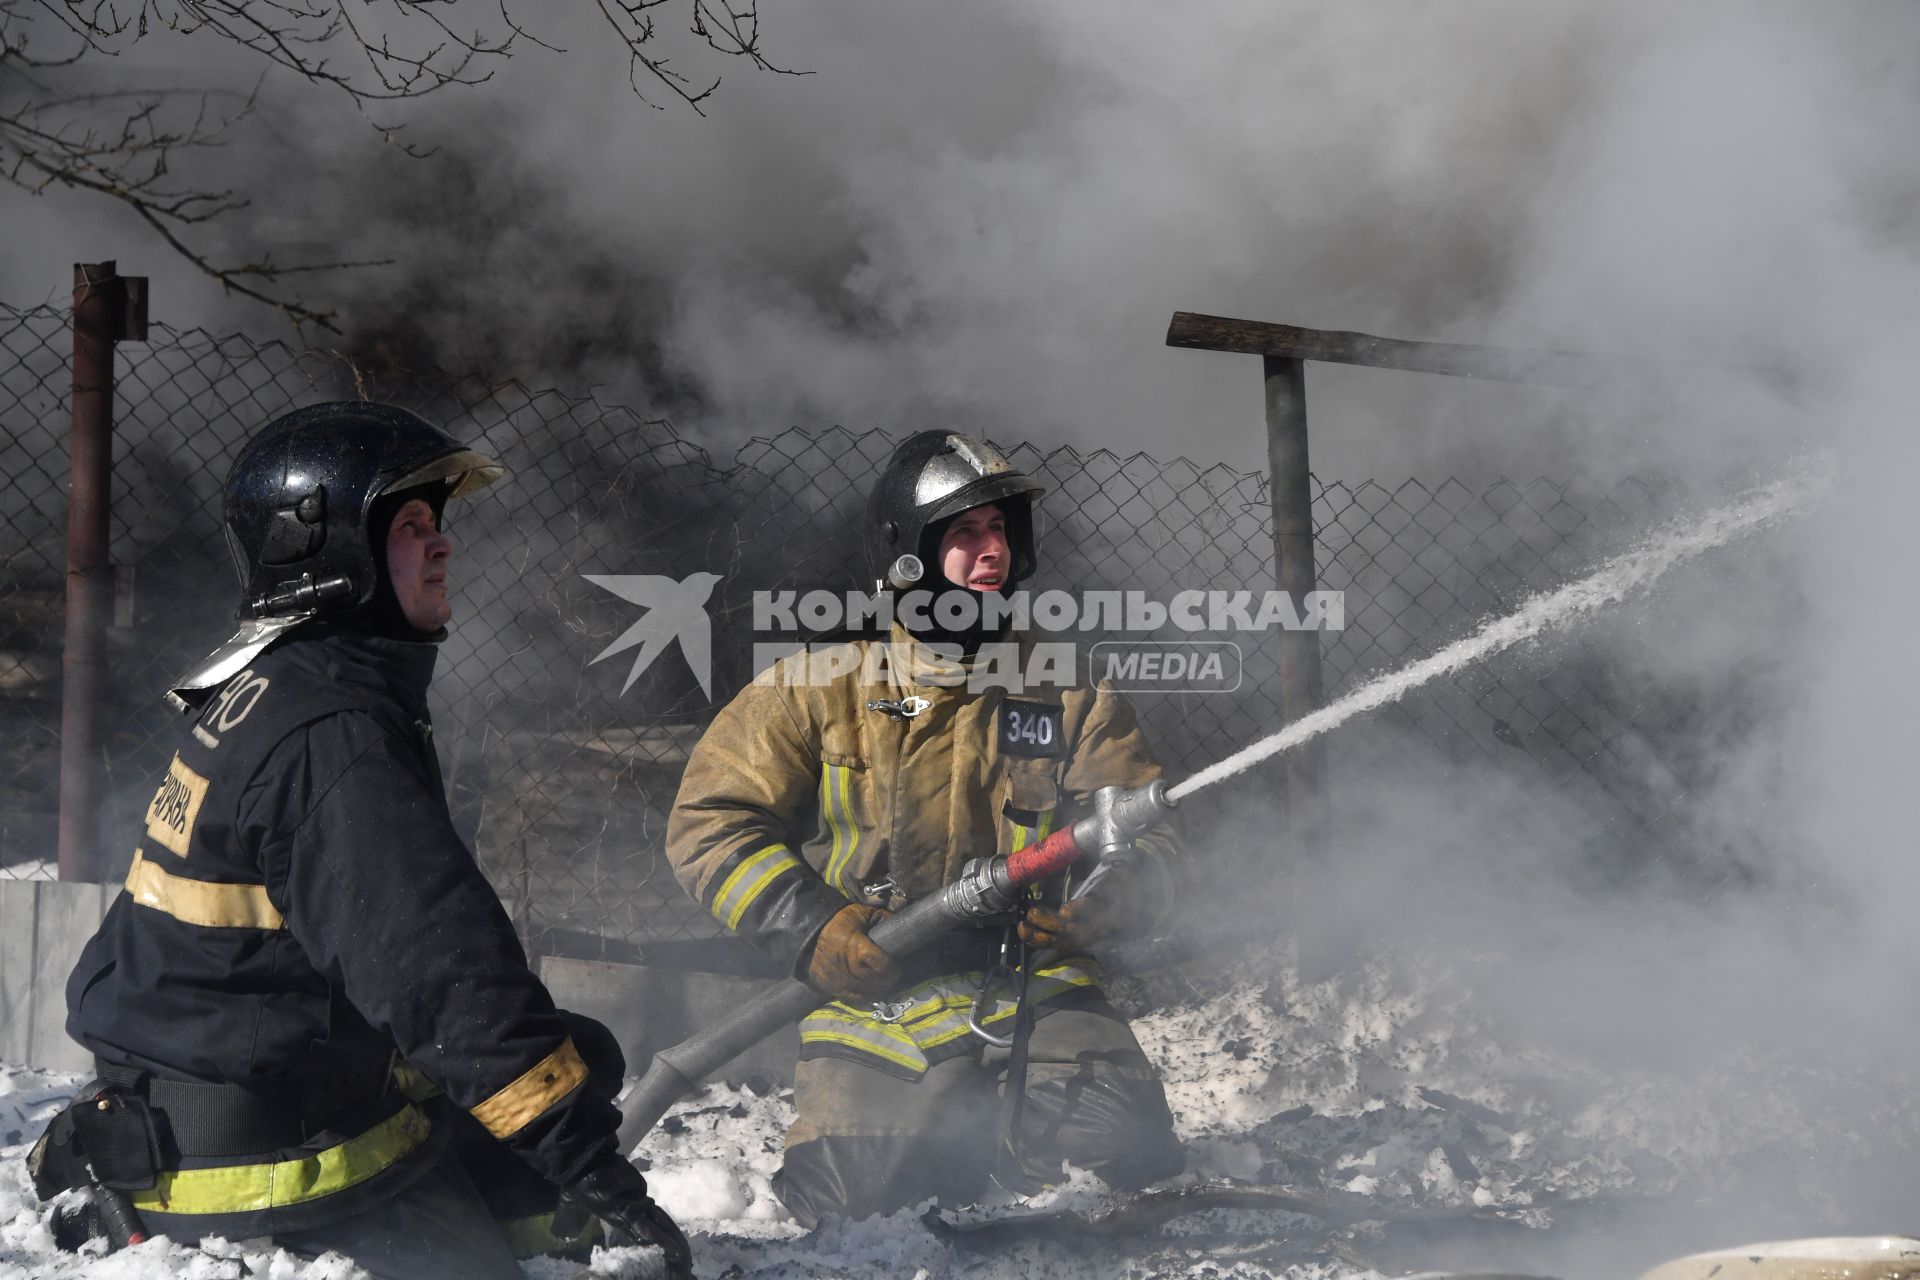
1284	350
1291	493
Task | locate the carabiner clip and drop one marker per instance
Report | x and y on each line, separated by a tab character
890	1010
905	709
979	999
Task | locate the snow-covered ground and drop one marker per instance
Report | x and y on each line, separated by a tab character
1382	1097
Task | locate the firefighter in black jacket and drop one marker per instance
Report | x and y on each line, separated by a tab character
309	1003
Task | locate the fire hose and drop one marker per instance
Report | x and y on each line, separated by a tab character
992	886
986	887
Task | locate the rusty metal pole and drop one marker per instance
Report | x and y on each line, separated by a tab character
106	309
1292	497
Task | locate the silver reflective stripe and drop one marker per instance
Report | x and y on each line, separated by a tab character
748	881
937	1015
836	807
838	1025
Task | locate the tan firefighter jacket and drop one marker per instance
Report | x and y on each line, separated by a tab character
802	797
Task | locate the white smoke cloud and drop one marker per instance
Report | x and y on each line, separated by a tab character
987	213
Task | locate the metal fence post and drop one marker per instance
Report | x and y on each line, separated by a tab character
1291	493
107	308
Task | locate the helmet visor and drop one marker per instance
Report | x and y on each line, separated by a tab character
467	471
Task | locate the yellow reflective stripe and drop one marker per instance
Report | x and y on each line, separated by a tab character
749	880
883	1040
532	1236
413	1082
932	1022
934	1034
1024	836
827	811
1048	983
866	1043
201	902
834	786
941	993
543	1084
1045	985
246	1187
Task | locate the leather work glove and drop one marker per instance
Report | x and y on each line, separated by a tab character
613	1191
846	963
1122	902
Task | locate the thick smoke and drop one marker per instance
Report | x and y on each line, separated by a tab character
986	214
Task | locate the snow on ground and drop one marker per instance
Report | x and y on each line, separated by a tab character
1381	1098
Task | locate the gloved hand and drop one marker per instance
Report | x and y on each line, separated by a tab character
1123	901
846	963
613	1191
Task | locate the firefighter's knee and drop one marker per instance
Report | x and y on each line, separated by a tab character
854	1178
1109	1118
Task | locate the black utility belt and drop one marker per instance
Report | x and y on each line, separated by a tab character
197	1119
125	1127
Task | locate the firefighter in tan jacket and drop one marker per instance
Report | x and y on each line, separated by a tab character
843	784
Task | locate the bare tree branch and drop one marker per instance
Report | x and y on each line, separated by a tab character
735	33
59	129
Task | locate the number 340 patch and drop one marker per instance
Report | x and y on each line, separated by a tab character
1030	729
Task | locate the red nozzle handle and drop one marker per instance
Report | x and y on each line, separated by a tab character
1038	861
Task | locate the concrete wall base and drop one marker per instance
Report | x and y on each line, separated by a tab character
650	1009
45	923
43	926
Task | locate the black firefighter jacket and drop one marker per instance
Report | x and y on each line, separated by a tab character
301	908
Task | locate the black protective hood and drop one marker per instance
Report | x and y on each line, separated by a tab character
934	476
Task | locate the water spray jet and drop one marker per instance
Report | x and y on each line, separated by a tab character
992	886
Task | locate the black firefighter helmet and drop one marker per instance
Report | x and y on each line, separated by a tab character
301	504
302	495
932	477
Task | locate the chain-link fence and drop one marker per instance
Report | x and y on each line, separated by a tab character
562	776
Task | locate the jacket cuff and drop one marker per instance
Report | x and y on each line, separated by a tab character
773	900
796	921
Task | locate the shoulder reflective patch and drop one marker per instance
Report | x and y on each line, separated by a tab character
243	1188
203	902
545	1083
175	806
749	880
